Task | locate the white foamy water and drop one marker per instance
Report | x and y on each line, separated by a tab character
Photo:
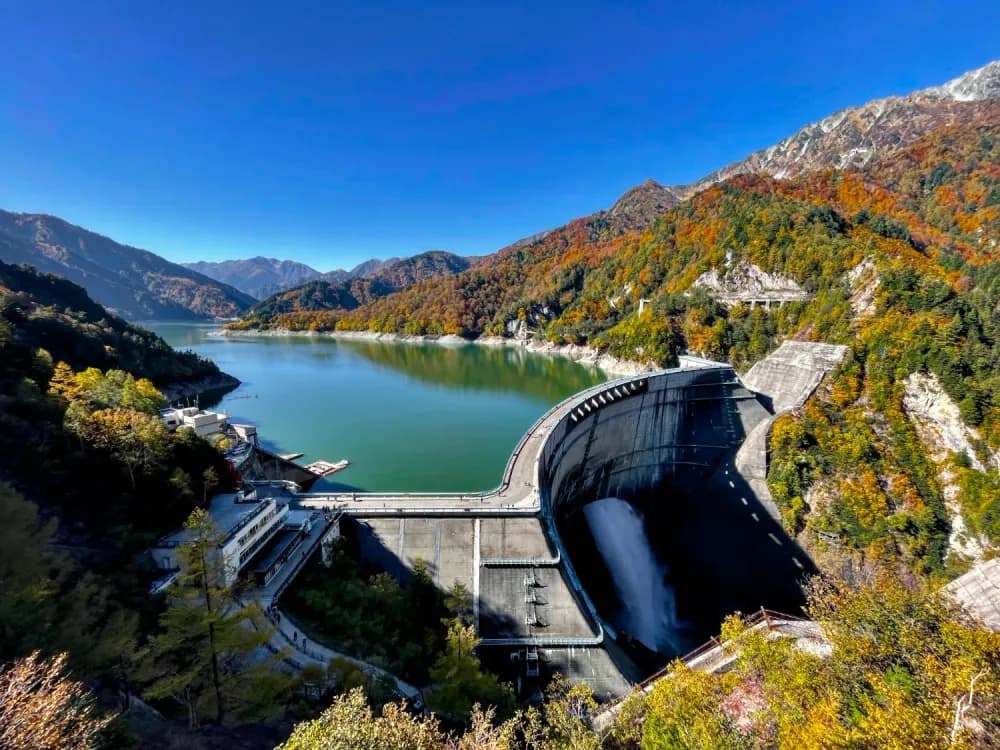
649	613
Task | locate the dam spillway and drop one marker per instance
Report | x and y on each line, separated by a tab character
671	443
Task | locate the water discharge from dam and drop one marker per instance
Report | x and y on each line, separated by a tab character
648	610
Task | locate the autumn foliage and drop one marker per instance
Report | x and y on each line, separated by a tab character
40	707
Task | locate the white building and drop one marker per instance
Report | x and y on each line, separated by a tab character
203	423
247	528
250	535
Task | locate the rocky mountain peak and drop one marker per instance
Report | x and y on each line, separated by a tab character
976	85
851	138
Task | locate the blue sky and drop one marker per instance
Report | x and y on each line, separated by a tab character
330	133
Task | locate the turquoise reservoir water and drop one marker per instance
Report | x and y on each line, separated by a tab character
419	417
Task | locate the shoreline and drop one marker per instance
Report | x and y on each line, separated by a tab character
222	381
584	355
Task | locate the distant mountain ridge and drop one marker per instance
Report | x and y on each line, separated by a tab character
135	283
259	277
389	277
362	270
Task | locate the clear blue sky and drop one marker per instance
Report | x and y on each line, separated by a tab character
334	132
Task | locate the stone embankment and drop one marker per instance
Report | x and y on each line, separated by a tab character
585	355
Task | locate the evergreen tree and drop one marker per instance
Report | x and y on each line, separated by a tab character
460	682
209	656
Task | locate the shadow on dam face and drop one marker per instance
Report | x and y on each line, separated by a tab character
664	535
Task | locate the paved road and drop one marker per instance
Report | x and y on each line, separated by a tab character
267	595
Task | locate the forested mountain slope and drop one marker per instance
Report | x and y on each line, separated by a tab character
88	474
132	282
54	314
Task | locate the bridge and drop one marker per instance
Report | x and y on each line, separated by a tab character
681	428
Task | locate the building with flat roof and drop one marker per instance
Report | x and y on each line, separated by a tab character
248	527
203	423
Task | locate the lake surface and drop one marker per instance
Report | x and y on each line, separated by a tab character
419	417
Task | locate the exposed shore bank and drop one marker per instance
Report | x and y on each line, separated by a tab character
585	355
222	381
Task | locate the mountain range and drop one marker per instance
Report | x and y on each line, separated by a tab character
132	282
852	137
261	277
849	139
365	283
139	284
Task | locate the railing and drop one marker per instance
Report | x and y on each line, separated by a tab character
762	616
551	641
368	509
300	563
523	562
401	688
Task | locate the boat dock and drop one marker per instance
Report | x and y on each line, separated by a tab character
326	468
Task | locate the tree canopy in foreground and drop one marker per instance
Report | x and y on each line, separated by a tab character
905	668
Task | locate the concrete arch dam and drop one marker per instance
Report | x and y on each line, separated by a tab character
548	596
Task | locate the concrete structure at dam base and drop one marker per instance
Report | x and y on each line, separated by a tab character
688	445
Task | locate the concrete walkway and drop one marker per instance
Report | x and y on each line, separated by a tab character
288	634
269	594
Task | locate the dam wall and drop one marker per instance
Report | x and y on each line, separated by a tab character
675	424
667	443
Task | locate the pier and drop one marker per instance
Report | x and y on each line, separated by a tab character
326	468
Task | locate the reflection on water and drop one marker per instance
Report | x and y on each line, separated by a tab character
419	417
484	367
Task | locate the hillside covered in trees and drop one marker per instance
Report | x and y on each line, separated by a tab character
902	668
89	477
50	312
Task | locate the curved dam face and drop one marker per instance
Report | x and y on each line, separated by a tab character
659	530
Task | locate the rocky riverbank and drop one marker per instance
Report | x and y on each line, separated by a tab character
191	388
585	355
